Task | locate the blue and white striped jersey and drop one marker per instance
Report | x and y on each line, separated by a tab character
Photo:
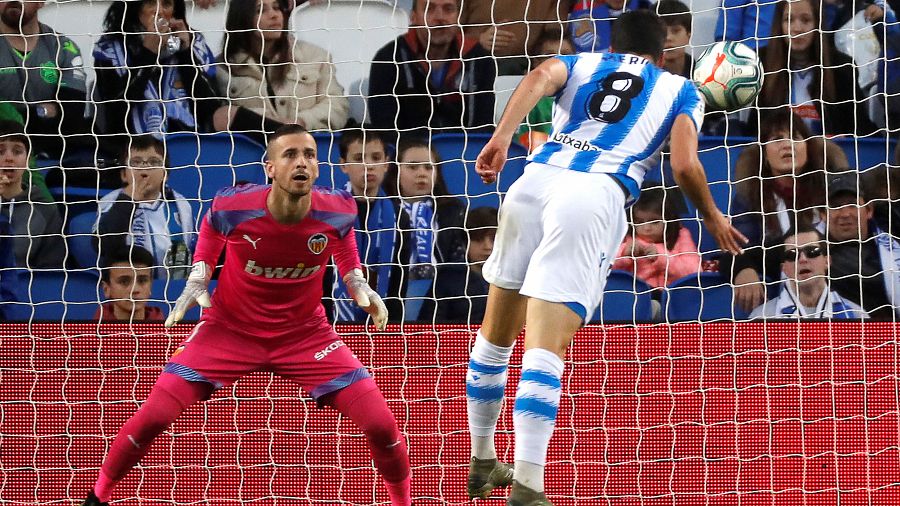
613	115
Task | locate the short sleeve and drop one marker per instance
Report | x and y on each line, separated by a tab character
690	102
570	60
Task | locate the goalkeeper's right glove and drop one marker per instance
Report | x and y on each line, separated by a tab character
194	293
366	298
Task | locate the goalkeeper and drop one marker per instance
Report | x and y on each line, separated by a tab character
266	313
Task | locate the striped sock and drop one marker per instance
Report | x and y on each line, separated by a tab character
485	384
534	414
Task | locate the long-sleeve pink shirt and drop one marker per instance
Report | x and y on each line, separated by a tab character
272	278
666	266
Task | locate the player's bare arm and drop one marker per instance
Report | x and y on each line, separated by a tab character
690	176
541	82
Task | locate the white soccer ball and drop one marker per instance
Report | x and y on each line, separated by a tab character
729	75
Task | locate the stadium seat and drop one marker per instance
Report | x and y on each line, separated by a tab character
459	151
57	296
864	154
330	173
625	299
352	31
201	165
704	296
164	293
80	238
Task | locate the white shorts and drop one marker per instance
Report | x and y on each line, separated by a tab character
558	235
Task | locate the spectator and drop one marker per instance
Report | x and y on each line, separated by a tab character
804	71
146	213
126	278
41	75
35	221
779	183
881	186
863	257
460	290
154	74
657	249
271	75
9	276
747	21
430	227
806	292
512	30
536	128
365	161
678	21
431	79
590	22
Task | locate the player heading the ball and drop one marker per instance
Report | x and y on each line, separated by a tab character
561	224
266	312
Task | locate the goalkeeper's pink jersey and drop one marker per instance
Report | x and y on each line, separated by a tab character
272	278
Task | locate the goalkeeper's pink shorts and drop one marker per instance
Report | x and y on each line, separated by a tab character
218	354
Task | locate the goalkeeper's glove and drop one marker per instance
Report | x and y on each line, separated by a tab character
366	298
194	293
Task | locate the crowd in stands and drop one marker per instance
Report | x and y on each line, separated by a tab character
823	235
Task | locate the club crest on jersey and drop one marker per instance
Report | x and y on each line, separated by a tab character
317	243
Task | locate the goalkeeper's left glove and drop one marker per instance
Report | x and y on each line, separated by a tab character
366	298
194	293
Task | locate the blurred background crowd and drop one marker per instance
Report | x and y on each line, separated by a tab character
111	152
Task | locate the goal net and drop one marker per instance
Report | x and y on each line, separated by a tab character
701	378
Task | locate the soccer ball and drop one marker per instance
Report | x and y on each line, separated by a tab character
729	75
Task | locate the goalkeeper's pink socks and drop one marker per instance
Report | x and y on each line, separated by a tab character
133	441
364	404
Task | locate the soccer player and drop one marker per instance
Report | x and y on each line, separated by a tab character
266	312
561	224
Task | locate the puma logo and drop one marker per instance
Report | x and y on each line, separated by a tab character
251	241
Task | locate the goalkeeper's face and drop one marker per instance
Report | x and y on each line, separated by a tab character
293	164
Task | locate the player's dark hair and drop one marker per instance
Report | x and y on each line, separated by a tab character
480	222
283	130
14	131
674	13
350	136
391	178
141	143
135	256
667	203
639	32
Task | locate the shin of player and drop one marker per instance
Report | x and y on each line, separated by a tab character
561	224
267	315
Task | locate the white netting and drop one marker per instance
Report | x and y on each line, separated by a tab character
730	412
